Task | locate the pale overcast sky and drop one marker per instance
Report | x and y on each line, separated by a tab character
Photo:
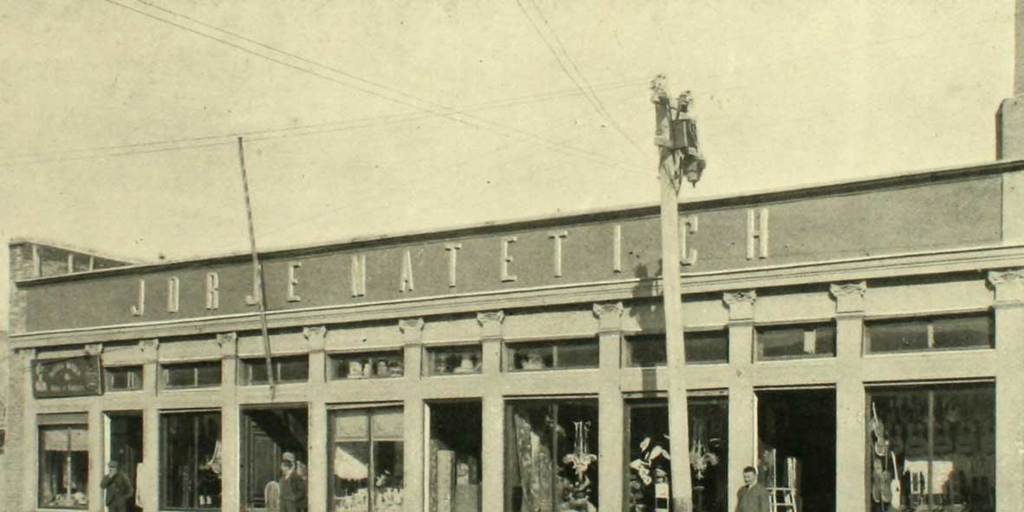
343	106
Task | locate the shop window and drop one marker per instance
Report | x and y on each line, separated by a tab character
645	350
453	360
795	341
63	461
367	460
953	332
286	369
556	355
936	444
190	461
551	455
192	375
367	365
456	438
122	378
649	473
274	459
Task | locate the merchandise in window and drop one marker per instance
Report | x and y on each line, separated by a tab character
64	466
286	369
932	448
367	365
453	360
784	342
551	456
456	439
192	375
190	460
649	472
367	460
123	378
553	355
953	332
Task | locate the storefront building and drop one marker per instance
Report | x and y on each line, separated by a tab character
860	343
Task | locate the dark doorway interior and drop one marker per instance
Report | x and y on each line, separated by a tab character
125	431
266	435
456	439
797	445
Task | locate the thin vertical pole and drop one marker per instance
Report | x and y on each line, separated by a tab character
678	414
257	271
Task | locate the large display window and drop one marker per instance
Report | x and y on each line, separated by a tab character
648	475
551	455
367	460
274	458
63	461
190	460
931	448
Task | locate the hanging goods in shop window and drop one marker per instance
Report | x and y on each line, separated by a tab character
578	491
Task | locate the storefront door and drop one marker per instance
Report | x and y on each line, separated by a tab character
124	445
797	447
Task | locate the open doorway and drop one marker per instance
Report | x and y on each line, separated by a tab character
273	438
456	439
124	446
797	446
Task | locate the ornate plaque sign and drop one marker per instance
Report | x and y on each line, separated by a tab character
75	376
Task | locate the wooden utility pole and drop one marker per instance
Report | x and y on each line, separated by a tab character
679	157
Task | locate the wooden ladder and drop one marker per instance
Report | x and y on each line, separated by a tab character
782	499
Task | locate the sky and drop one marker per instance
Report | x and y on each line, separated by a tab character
118	118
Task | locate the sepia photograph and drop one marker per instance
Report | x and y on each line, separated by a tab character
511	255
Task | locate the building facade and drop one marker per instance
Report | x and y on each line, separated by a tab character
859	343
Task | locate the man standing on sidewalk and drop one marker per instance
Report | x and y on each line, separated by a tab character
119	489
752	497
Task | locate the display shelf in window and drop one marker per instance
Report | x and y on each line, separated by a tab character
368	365
796	341
204	374
286	369
122	378
553	355
957	332
453	360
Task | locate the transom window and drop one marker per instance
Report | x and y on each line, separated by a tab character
796	341
286	369
455	360
192	375
702	347
938	333
553	355
367	365
122	378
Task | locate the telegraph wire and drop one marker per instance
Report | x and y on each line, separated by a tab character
588	92
439	110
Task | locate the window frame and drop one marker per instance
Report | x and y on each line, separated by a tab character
245	370
108	378
367	411
929	321
165	446
510	348
430	351
67	427
337	359
806	327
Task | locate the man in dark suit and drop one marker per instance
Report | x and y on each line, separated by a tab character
293	486
119	488
752	497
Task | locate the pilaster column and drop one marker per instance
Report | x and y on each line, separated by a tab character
29	440
493	429
611	409
149	474
1008	305
97	456
316	429
412	340
230	438
850	395
742	405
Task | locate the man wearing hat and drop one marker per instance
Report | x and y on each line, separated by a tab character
293	485
119	488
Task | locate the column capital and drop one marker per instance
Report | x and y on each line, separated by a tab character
316	336
411	329
94	349
741	304
228	342
609	316
149	348
849	297
1008	285
491	324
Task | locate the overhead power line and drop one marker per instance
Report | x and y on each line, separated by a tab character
364	85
